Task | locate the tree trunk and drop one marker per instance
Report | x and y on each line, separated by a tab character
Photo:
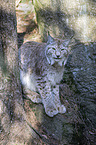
13	126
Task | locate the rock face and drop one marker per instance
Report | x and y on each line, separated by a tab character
82	67
66	17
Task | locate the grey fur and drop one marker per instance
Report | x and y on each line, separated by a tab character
42	67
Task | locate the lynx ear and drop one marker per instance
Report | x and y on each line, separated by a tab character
66	42
50	39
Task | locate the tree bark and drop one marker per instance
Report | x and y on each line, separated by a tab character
13	126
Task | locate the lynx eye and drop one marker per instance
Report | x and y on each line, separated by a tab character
62	49
53	48
48	48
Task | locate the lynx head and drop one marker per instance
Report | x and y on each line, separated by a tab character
56	51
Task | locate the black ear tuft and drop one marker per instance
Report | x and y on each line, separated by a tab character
48	33
50	39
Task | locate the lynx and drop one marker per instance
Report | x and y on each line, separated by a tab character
42	67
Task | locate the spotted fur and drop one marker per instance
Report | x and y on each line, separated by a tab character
42	67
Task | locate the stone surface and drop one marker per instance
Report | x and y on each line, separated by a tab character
67	17
82	68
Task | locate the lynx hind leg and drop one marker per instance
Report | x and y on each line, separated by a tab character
33	96
29	87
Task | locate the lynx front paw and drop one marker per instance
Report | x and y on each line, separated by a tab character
51	111
61	109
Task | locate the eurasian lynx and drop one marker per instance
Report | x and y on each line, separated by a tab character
42	67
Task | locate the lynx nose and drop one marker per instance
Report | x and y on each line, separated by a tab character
58	54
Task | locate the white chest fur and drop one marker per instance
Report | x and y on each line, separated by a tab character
54	77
